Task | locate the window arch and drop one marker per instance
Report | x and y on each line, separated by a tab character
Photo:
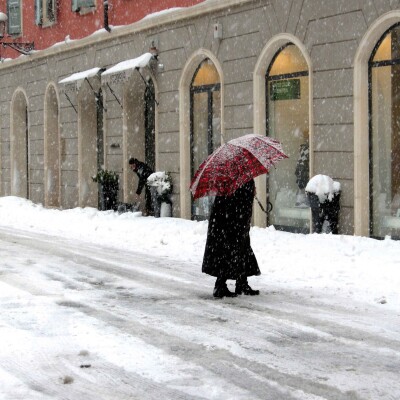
52	148
287	119
90	144
20	146
140	126
362	119
189	71
205	124
384	134
150	124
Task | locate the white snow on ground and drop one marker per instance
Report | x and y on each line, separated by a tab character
101	305
360	268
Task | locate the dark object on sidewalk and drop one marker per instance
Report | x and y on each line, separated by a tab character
85	366
108	196
326	211
108	184
127	207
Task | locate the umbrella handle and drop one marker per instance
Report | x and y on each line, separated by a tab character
269	206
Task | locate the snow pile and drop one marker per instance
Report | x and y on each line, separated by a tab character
162	12
138	62
79	76
358	268
323	186
160	180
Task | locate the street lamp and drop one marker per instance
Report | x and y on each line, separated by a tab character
21	47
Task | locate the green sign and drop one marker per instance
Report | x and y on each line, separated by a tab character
285	90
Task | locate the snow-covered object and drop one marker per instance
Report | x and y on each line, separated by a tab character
162	181
80	76
162	12
165	210
138	62
323	186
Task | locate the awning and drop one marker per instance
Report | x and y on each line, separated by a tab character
122	71
74	81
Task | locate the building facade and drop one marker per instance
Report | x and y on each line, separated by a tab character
47	22
321	76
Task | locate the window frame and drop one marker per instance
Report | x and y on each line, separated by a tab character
267	80
45	12
371	65
209	89
14	6
83	6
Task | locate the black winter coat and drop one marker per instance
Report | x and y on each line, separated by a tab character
228	252
143	171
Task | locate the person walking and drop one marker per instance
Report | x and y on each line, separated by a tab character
143	171
228	253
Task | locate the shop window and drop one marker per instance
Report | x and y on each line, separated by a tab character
14	17
45	12
287	91
384	107
205	125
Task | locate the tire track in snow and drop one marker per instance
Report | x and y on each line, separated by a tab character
294	314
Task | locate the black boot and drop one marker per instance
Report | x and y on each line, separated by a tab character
221	290
242	287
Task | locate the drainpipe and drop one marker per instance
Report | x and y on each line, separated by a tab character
106	26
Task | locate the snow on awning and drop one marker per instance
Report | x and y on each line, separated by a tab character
74	81
123	70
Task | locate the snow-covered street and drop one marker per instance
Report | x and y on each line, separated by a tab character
96	305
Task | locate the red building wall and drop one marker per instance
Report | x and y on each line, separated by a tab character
77	26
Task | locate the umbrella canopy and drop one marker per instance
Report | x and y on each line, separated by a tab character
235	163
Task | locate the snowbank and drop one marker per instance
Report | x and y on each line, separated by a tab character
359	268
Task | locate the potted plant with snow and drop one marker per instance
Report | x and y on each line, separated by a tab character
324	197
160	184
108	182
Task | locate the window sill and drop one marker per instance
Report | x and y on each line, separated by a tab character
48	24
86	10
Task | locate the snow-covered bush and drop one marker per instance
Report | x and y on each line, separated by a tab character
324	187
161	181
106	178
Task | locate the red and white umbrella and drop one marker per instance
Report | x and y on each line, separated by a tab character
234	163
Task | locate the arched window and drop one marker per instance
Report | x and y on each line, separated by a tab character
90	144
384	139
205	124
149	124
21	167
287	102
52	149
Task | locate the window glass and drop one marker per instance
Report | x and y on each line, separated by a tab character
51	10
288	60
385	137
149	124
205	125
288	121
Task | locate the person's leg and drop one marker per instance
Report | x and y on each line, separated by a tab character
148	202
243	287
221	290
